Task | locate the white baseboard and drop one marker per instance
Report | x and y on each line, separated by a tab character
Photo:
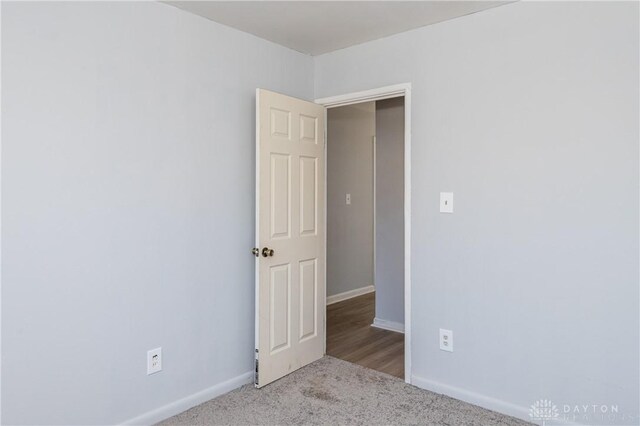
483	401
349	294
177	407
388	325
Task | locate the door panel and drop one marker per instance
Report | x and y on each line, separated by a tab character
308	129
308	195
308	299
280	308
280	123
280	195
290	283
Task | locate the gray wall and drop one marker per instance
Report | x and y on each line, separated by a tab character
125	225
128	144
389	267
350	170
528	113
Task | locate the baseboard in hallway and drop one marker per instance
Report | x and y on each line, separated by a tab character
388	325
350	294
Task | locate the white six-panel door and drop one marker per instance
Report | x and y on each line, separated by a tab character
290	263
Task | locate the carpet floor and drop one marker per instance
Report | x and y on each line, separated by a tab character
335	392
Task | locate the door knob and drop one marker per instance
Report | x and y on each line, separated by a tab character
255	251
266	252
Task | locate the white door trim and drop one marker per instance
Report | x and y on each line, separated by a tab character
387	92
374	205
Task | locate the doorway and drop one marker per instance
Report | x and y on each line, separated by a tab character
291	243
368	222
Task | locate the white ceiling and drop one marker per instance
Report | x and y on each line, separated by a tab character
316	27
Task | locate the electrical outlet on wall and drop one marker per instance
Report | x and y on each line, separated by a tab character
446	340
154	361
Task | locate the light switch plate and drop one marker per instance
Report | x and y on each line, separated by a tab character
348	199
446	202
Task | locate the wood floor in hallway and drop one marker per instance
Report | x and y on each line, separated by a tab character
351	337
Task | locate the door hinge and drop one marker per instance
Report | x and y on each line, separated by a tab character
255	376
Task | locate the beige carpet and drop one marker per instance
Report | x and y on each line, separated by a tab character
335	392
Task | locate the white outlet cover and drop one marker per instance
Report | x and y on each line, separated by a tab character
154	361
446	340
446	202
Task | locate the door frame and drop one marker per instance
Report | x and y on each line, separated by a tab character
378	94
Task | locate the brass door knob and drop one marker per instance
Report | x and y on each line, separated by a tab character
255	251
267	252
